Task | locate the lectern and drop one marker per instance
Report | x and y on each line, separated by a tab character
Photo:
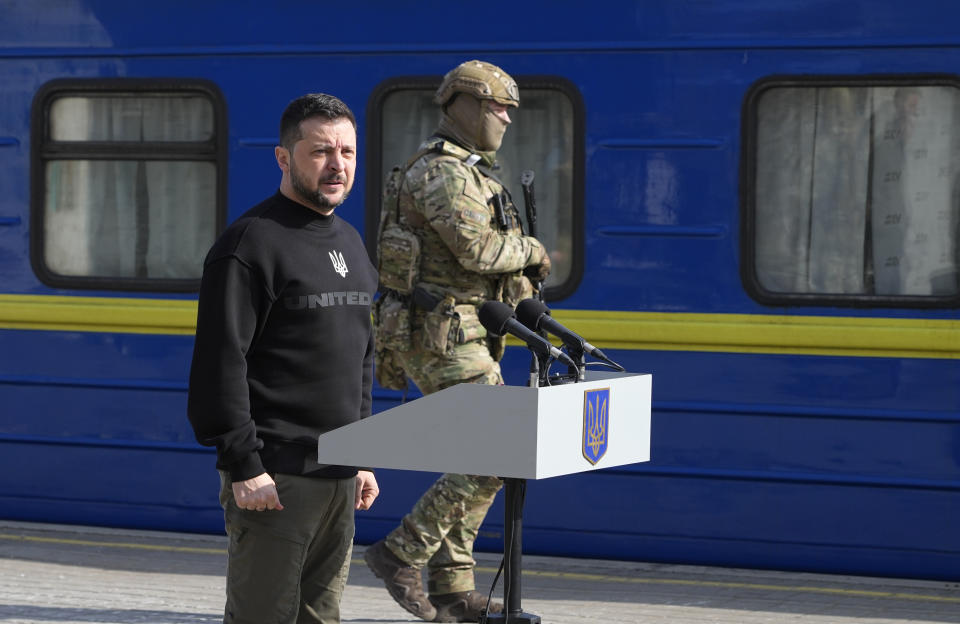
512	432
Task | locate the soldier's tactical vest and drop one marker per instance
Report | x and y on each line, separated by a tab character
441	318
400	241
398	247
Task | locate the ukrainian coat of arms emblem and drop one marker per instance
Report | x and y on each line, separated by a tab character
596	418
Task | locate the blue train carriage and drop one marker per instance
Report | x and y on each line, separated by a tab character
752	202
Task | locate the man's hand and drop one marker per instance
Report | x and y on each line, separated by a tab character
257	494
367	489
538	263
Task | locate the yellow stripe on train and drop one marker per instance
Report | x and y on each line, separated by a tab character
738	333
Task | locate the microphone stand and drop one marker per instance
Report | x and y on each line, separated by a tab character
538	371
515	491
580	372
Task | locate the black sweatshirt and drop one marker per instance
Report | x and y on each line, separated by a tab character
284	344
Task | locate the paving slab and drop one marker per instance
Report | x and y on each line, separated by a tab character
72	574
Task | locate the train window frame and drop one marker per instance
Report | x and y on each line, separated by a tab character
44	149
374	163
748	194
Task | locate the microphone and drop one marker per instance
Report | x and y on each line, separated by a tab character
499	319
536	317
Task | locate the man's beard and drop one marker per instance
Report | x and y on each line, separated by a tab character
317	199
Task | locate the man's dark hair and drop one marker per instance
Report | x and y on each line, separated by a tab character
307	106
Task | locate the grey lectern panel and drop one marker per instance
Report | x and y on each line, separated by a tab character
505	431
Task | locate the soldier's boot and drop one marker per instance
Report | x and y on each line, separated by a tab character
462	606
403	581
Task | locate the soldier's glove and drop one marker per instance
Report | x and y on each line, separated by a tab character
538	262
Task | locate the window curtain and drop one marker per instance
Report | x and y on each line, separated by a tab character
855	190
130	218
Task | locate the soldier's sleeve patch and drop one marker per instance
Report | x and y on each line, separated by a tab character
474	216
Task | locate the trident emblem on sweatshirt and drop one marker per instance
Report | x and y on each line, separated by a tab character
339	264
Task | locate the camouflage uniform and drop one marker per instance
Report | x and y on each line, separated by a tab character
466	257
450	239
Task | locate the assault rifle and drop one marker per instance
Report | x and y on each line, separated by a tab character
529	203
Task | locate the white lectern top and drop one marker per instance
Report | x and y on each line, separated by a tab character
505	431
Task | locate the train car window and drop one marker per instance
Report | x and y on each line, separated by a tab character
853	191
142	118
128	184
545	136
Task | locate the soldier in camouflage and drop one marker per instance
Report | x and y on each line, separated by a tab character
450	239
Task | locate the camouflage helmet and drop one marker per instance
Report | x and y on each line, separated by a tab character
482	80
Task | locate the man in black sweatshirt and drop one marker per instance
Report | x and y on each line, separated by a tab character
284	353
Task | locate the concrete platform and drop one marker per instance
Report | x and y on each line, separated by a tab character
54	573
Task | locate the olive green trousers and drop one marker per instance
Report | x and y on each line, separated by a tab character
289	566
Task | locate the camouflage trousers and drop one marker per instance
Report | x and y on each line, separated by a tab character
440	530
